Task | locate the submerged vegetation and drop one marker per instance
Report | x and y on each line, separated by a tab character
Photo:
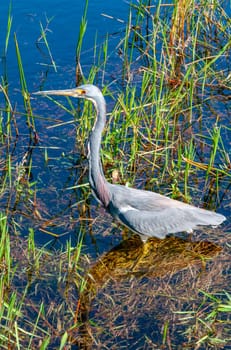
168	130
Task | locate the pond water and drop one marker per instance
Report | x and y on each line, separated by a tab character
62	36
136	307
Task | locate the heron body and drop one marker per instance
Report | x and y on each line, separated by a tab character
144	212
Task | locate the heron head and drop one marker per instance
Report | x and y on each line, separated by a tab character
87	91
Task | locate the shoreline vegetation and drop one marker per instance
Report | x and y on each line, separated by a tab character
168	130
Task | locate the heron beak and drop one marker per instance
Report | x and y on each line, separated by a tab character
76	92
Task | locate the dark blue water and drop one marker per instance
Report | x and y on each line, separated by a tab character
62	36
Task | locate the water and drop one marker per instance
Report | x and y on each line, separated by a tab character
62	36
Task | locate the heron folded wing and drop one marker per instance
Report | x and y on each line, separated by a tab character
153	224
154	215
160	224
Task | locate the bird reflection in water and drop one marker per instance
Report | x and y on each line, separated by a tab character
133	258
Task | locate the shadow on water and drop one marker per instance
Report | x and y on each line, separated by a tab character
132	259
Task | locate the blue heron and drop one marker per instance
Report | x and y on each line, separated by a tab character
144	212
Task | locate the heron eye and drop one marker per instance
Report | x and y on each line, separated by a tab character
83	92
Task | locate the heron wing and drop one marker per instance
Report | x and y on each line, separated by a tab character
157	224
149	213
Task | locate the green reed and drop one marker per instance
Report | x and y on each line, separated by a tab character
210	315
25	93
45	41
82	30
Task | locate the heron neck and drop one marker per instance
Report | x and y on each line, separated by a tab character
96	176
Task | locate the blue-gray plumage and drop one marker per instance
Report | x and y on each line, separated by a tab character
147	213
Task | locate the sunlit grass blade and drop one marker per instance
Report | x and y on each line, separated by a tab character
82	30
44	37
8	31
25	93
